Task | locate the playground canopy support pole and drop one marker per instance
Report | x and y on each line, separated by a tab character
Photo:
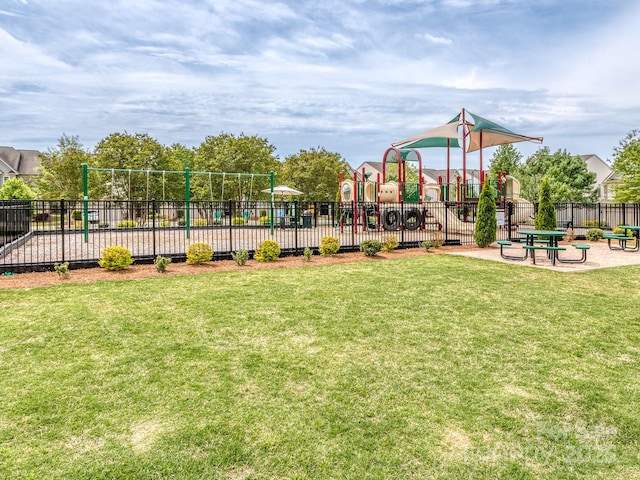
85	201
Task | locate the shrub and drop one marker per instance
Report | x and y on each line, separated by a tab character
240	257
199	253
390	244
103	225
307	254
264	220
438	240
593	223
329	246
180	213
486	223
545	218
76	214
594	234
200	222
426	245
263	213
182	222
161	263
115	258
126	224
165	223
371	247
62	269
622	231
267	251
238	221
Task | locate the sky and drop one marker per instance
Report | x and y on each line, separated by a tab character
350	76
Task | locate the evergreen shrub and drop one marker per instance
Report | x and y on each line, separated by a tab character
115	258
199	253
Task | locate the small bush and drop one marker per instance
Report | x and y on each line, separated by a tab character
76	214
115	258
426	245
62	269
263	213
165	223
264	220
238	221
199	253
390	244
240	257
593	223
437	241
200	222
126	224
594	234
268	251
180	213
182	222
307	254
161	263
329	246
103	225
371	247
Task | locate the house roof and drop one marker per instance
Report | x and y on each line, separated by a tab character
20	162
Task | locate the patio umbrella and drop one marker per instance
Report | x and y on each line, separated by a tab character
283	190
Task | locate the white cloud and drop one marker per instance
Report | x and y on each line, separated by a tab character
435	39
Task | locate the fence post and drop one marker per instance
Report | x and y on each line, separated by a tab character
85	201
295	217
153	225
62	225
187	200
231	215
509	212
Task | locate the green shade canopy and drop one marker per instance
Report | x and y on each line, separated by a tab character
486	133
443	136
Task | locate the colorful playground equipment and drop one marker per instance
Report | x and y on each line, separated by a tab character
392	205
417	202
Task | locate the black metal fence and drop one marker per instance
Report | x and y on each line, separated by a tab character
35	235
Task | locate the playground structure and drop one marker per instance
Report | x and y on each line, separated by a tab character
467	131
206	179
392	205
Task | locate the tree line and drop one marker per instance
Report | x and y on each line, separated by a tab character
314	171
124	159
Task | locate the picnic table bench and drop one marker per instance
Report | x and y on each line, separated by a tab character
551	252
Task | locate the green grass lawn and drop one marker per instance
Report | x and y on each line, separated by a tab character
426	367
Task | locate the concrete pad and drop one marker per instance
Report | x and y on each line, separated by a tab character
598	256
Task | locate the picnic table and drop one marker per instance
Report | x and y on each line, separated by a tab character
623	238
552	248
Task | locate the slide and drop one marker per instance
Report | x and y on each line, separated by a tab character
524	211
444	216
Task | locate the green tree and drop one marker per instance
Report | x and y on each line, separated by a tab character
545	218
16	189
626	165
61	170
316	172
230	154
486	222
505	159
567	174
130	152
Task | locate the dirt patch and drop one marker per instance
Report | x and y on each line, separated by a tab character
90	275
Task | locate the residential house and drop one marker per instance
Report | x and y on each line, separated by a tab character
18	163
605	178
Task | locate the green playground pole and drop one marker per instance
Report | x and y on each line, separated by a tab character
272	182
187	197
85	201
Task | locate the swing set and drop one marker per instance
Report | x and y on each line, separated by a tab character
187	174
